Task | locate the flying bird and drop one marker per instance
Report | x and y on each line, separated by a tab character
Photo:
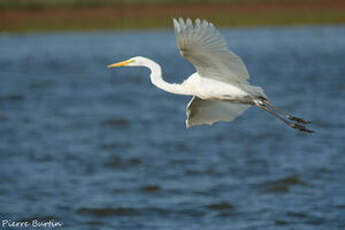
220	88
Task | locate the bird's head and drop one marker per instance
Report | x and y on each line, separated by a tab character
134	61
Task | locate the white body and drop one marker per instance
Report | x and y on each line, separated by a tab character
208	88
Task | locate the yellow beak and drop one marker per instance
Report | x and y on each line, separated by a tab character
118	64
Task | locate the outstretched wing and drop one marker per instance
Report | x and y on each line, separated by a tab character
209	111
206	49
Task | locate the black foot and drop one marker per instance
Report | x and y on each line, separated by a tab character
301	128
299	120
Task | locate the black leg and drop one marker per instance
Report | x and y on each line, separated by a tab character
288	116
291	124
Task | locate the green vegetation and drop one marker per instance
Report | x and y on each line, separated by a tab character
157	22
41	4
82	15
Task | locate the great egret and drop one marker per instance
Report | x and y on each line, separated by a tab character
220	87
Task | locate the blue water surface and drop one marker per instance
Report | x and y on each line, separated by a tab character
95	148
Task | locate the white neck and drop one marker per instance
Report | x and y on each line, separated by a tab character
157	80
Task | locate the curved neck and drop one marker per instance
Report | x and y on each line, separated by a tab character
157	80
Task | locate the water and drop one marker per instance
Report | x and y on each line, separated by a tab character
103	149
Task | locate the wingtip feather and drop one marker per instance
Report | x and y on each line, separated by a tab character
176	25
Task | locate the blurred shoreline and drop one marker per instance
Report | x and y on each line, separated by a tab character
137	15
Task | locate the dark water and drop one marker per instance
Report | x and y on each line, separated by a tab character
103	149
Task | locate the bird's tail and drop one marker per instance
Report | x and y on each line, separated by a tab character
254	90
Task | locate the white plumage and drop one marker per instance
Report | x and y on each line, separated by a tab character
220	87
206	49
221	74
209	111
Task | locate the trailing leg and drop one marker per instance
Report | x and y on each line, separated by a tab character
288	116
263	106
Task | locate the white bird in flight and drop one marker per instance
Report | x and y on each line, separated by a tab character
220	87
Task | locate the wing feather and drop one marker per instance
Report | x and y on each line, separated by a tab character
207	50
209	111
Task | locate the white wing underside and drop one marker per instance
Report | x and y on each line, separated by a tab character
206	49
209	111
